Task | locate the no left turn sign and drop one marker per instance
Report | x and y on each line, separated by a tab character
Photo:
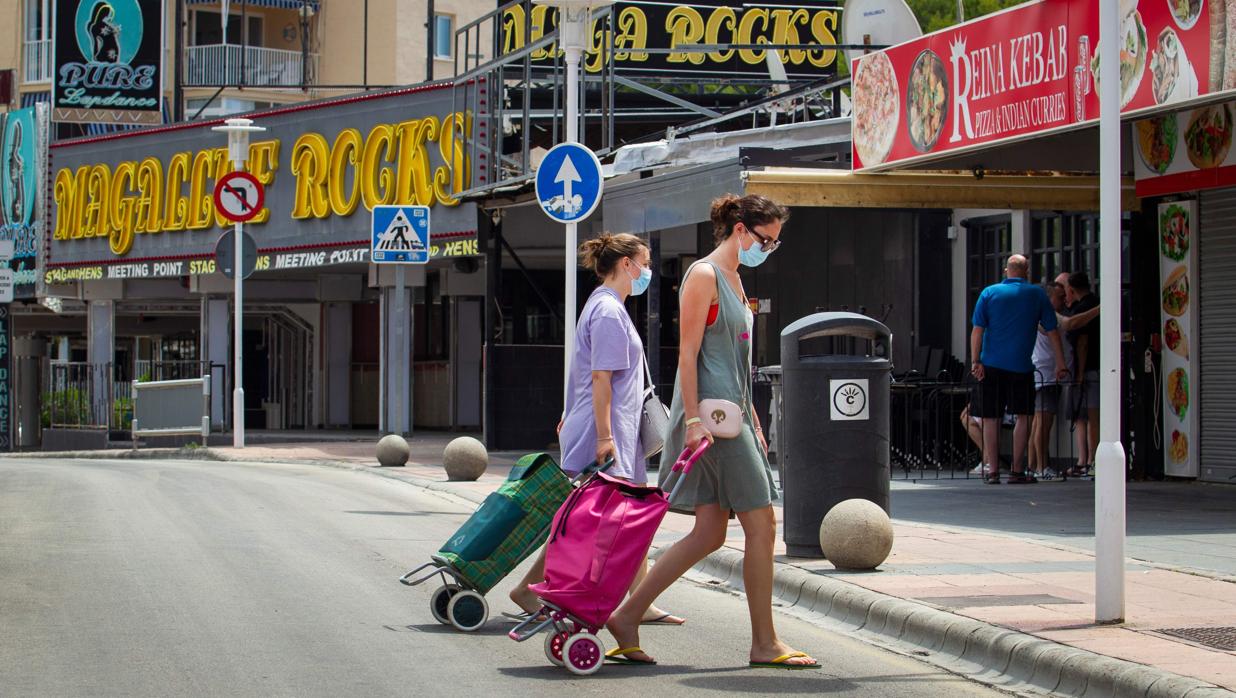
239	196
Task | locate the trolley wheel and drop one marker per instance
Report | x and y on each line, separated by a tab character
440	599
554	643
467	610
583	654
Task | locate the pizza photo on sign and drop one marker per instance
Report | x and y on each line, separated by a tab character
1185	12
1176	292
1133	48
876	108
1174	337
1174	233
1208	136
1156	141
926	100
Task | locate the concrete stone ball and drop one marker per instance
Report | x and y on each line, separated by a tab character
393	451
465	459
856	535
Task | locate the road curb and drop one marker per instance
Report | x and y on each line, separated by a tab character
988	653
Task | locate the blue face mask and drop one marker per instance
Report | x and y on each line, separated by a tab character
640	283
753	256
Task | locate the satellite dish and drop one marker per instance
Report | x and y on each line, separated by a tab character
877	22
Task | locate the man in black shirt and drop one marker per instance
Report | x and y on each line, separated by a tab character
1085	340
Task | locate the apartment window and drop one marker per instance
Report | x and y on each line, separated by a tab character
1064	243
37	49
208	29
443	36
989	242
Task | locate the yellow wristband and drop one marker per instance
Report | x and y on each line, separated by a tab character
694	420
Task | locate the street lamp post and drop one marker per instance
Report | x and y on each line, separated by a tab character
238	131
1109	474
306	12
574	19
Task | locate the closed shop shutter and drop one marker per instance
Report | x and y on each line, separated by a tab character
1217	257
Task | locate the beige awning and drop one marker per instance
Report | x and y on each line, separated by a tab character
927	189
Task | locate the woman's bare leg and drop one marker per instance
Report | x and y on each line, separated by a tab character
707	535
760	529
520	594
654	612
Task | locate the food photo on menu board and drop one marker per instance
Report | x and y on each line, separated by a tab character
1176	260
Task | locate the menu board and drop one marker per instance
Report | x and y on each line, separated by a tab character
1186	151
1177	225
1030	70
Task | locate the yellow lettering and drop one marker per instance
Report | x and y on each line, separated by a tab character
201	207
823	30
513	26
68	205
415	183
177	215
149	210
785	31
454	176
121	208
540	25
345	155
98	182
632	34
686	27
263	163
721	17
378	180
746	34
309	162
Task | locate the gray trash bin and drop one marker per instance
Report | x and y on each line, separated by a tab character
834	438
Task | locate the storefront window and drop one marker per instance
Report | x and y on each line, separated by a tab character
1064	243
989	244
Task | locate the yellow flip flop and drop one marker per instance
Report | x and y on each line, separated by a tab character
619	655
780	662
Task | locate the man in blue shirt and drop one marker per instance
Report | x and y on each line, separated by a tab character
1006	318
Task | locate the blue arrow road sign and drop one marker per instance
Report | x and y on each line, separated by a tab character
569	183
400	235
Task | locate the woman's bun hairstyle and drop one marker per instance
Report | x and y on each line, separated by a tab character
602	254
752	210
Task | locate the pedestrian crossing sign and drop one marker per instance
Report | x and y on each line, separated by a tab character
400	235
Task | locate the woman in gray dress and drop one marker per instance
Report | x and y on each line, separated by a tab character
714	361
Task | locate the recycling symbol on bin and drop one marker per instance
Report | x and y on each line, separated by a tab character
849	399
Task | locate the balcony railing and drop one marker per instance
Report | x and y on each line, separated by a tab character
220	65
37	62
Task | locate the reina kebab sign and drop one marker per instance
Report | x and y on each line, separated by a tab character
1030	70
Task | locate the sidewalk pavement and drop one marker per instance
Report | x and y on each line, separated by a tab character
993	582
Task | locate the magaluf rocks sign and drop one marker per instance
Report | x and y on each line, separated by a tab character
108	54
139	204
1030	70
652	24
23	161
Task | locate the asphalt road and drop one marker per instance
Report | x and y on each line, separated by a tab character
151	578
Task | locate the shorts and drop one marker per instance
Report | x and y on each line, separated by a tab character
1001	391
1047	398
1083	398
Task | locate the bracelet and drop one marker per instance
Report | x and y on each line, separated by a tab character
694	420
607	438
759	430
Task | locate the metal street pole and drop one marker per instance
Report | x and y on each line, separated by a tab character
401	319
238	131
1109	490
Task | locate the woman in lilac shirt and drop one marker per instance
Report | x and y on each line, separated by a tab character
605	392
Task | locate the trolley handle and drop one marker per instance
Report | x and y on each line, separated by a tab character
683	466
592	469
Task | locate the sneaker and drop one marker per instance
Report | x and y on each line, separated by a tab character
1022	479
1048	474
979	470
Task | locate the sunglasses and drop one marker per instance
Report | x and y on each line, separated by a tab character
767	244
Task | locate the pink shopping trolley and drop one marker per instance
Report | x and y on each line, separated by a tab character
597	541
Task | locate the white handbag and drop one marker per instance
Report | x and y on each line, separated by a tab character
721	417
654	422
